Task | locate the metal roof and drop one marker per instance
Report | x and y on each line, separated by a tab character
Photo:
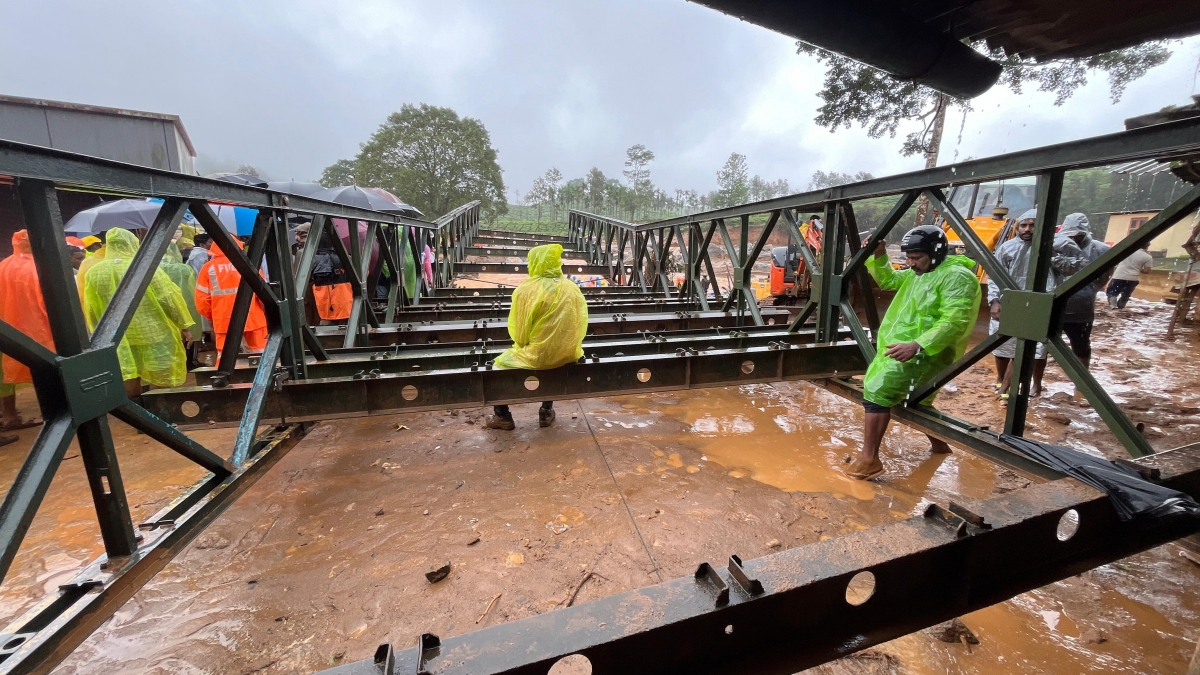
103	110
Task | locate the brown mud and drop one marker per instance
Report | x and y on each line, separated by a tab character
325	557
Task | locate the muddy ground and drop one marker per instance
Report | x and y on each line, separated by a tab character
325	557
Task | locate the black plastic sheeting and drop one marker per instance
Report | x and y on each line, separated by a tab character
1132	496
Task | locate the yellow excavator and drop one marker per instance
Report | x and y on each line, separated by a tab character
991	209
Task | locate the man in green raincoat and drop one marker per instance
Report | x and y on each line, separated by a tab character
547	322
926	329
153	346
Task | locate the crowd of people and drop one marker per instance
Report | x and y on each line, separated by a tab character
182	304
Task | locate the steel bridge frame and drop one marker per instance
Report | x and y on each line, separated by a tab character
78	385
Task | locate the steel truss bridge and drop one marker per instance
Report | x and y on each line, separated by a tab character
777	614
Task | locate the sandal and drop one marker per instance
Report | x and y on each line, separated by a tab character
21	424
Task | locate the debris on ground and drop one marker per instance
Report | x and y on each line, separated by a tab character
212	540
952	631
489	607
438	574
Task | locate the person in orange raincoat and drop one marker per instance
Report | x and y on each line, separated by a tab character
331	288
22	307
216	289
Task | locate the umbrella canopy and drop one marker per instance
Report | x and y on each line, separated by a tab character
353	195
239	178
237	219
291	187
131	214
412	211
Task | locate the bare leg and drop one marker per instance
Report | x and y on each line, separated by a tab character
1039	369
1002	364
133	388
1006	381
867	465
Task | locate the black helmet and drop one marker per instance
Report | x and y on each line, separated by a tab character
926	239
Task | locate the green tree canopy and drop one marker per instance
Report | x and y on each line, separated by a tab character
340	172
854	93
733	182
431	158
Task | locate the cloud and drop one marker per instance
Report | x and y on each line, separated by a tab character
293	86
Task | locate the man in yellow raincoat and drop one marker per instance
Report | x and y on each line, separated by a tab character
153	345
185	278
547	322
926	329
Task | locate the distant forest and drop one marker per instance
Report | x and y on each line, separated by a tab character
544	207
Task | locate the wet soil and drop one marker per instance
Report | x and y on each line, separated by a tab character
325	557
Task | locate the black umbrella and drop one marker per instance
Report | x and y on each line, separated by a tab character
239	178
353	195
291	187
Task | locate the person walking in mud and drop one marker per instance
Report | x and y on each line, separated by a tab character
1013	255
547	322
925	329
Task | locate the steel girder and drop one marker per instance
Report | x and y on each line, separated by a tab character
461	331
786	612
435	357
384	393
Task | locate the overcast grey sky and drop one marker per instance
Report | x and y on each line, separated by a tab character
293	86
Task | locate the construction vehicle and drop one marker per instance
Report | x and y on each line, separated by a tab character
790	278
991	209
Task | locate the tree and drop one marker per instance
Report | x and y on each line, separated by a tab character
251	170
539	194
595	188
637	172
433	159
854	93
552	178
340	172
821	180
733	182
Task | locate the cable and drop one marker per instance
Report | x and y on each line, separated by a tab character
619	491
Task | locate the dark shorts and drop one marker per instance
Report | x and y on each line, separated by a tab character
870	407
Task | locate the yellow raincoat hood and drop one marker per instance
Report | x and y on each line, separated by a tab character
151	347
548	318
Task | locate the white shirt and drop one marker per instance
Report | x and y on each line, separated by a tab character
1131	268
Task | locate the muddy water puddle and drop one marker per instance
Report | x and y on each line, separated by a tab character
1135	616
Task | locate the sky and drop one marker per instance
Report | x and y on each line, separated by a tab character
293	86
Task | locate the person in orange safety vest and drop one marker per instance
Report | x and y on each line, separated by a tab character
216	288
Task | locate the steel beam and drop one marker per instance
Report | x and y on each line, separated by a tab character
598	324
799	608
391	393
428	358
523	268
476	252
